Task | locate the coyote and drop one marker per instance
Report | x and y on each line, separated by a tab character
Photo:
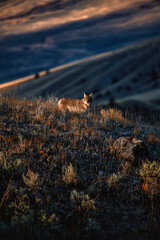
75	105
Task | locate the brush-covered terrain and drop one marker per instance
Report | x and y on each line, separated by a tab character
64	176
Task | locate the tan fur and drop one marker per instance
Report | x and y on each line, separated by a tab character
75	105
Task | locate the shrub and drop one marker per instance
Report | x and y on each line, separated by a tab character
114	80
150	169
32	179
69	174
114	180
82	201
45	219
9	162
150	173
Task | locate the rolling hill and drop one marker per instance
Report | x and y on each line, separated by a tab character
128	74
42	34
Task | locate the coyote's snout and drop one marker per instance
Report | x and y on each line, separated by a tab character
75	105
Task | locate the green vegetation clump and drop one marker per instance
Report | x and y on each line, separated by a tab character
114	180
150	173
82	201
150	169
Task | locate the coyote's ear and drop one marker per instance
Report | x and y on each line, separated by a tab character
91	94
85	95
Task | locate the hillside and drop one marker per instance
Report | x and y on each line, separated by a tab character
69	176
22	16
127	75
39	35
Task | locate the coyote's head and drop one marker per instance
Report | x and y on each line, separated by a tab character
88	98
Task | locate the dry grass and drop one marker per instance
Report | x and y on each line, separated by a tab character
114	115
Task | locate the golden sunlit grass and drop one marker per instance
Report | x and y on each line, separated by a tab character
113	114
61	172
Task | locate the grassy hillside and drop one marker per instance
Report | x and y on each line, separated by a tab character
127	75
62	177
